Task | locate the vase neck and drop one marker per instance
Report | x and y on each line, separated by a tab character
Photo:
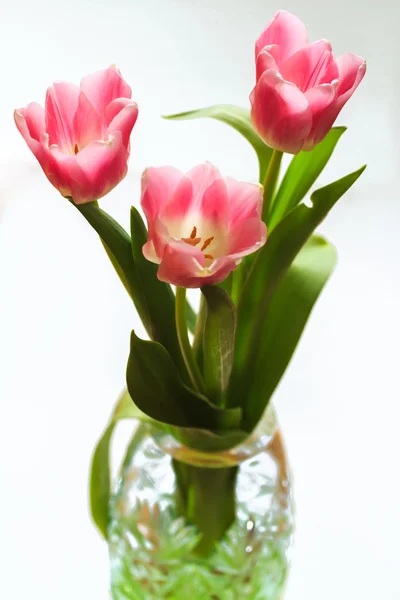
258	441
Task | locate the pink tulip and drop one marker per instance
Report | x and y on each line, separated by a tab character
200	223
301	87
81	137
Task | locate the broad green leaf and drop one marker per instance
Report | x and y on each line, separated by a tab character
285	320
239	119
117	243
302	172
153	380
159	297
100	479
218	340
268	269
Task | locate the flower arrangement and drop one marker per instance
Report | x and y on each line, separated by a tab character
207	378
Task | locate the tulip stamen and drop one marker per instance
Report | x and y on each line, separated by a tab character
193	241
206	243
76	149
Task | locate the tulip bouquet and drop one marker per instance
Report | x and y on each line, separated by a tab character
206	378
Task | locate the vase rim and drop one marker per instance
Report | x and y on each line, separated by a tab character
258	441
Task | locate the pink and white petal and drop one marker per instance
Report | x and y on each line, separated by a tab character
177	208
70	180
214	206
61	105
280	113
104	164
268	58
352	69
181	265
247	237
311	66
286	31
149	252
124	121
30	121
158	238
244	200
102	87
158	186
219	270
51	160
87	124
319	99
202	176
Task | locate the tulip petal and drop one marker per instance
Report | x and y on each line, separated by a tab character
246	237
214	205
61	105
70	180
351	72
87	124
32	124
319	99
280	113
183	265
104	164
267	59
102	87
177	207
202	177
158	237
124	119
287	32
29	122
311	66
244	200
158	186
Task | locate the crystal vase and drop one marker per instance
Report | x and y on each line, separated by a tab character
228	538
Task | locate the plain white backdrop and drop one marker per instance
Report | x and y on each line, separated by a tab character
65	319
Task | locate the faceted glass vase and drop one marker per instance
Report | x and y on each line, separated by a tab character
153	548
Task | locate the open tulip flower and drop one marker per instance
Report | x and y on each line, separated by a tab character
301	87
200	224
81	137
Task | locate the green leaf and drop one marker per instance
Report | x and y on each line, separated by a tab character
159	297
154	382
209	441
218	340
117	243
239	119
100	479
285	320
270	266
302	172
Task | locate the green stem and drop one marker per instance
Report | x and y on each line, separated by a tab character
270	182
198	333
206	497
183	337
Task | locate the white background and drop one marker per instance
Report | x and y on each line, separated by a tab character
65	319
